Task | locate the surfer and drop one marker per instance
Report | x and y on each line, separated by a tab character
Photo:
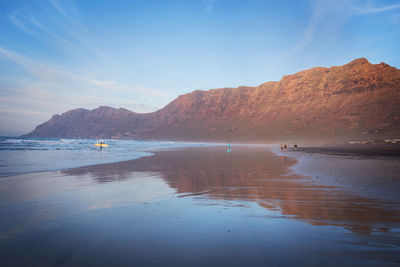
102	143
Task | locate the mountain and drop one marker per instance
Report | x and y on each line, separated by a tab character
358	100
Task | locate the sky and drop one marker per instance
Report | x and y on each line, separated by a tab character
57	55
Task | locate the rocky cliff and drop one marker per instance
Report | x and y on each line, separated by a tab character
358	100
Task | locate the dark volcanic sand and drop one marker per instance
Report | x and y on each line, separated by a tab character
372	171
387	151
201	207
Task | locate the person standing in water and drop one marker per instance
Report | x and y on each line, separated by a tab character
229	148
285	147
295	147
281	147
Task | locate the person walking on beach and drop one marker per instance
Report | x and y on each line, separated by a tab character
281	147
285	147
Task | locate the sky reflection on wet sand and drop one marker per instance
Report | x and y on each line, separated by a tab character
200	206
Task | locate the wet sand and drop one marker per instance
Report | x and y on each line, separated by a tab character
252	206
372	171
366	150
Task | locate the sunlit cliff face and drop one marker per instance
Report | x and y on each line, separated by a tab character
358	100
254	174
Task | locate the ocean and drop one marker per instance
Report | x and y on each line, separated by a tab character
22	155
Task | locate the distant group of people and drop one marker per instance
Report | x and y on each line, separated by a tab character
285	147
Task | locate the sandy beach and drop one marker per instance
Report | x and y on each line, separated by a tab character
205	206
370	171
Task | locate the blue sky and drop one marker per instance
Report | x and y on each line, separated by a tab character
56	55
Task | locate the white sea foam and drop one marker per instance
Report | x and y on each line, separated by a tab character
19	155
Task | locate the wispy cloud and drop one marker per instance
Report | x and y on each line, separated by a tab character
102	83
50	33
324	13
70	31
208	5
22	112
14	19
51	71
37	68
78	31
58	7
309	31
368	8
328	16
44	71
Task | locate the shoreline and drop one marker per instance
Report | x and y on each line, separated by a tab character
135	154
365	176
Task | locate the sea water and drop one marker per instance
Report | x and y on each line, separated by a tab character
22	155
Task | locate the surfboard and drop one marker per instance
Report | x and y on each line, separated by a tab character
101	145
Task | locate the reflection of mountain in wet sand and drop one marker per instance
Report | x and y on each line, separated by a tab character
255	174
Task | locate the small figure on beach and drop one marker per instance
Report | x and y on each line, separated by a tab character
285	147
229	148
281	147
295	147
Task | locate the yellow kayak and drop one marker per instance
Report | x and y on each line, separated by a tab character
101	145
